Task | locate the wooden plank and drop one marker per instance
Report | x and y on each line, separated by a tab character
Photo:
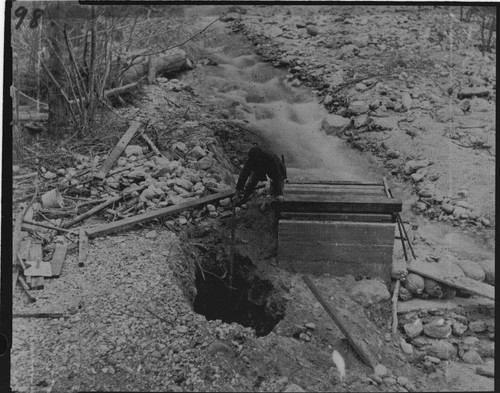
292	191
350	254
291	186
58	259
36	254
356	328
82	249
354	198
128	222
381	270
316	232
118	150
39	269
354	217
439	273
342	205
336	182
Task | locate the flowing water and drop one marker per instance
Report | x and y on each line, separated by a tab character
288	121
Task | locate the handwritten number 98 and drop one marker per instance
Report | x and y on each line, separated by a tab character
21	13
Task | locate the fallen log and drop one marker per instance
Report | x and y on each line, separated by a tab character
128	222
118	150
350	325
439	273
174	61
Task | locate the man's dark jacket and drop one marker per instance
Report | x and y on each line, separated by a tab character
262	163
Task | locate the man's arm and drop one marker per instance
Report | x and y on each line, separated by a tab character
242	179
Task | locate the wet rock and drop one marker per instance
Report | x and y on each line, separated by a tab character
413	329
472	357
458	329
368	292
133	150
441	349
358	107
437	329
197	153
334	124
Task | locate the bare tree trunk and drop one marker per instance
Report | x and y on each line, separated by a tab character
58	111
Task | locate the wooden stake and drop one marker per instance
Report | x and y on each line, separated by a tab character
395	308
82	253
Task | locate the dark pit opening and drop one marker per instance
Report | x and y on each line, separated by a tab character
254	302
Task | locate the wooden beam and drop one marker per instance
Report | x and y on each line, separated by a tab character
341	204
439	273
58	259
36	254
354	327
128	222
118	150
342	233
353	217
339	182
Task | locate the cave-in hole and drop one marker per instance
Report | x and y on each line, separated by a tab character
254	302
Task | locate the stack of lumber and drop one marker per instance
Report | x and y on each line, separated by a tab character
338	228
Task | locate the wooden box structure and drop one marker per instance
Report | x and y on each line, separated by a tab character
338	228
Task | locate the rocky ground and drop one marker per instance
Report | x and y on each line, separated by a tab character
131	318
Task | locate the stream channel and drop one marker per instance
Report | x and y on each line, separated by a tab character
288	120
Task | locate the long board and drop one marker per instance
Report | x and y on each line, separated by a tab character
128	222
353	217
440	274
357	329
341	204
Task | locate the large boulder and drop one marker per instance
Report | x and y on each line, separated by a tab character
197	152
446	114
471	269
488	266
368	292
413	165
437	329
133	150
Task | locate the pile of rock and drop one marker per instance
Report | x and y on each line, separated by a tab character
434	336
